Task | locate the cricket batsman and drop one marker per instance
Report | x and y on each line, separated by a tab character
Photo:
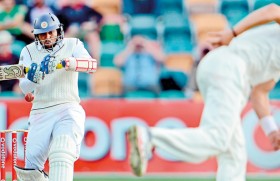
56	121
244	66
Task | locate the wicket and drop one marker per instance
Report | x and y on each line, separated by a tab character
3	145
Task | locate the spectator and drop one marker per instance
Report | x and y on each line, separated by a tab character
53	4
37	9
82	22
20	1
133	7
141	62
12	19
7	58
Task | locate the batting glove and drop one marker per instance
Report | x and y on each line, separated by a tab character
48	65
34	74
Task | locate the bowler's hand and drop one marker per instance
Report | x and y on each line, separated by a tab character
220	38
274	138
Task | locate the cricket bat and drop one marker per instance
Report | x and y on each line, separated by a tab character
16	71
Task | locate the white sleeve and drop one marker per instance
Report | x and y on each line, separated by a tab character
25	84
80	51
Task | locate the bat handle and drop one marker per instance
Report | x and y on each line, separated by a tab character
60	65
25	70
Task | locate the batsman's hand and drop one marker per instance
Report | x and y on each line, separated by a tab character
34	74
48	65
274	138
217	39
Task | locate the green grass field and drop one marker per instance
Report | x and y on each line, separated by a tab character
162	178
158	178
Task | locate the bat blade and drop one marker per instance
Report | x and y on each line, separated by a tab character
9	72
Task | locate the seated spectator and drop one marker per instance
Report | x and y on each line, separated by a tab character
37	8
12	19
83	22
173	80
52	4
133	7
7	58
141	61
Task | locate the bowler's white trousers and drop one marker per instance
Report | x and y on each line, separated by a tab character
64	119
222	81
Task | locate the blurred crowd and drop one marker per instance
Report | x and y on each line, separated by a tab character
145	48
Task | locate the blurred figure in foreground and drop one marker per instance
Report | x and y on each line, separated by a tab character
140	61
244	65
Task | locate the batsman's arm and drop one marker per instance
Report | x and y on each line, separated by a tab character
18	71
25	84
81	60
88	65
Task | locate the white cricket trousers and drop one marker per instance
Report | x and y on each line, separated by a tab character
64	119
222	81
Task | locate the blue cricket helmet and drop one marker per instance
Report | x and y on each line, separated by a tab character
46	23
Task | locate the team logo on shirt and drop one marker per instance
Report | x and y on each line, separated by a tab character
44	24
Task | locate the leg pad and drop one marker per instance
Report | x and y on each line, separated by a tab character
62	155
